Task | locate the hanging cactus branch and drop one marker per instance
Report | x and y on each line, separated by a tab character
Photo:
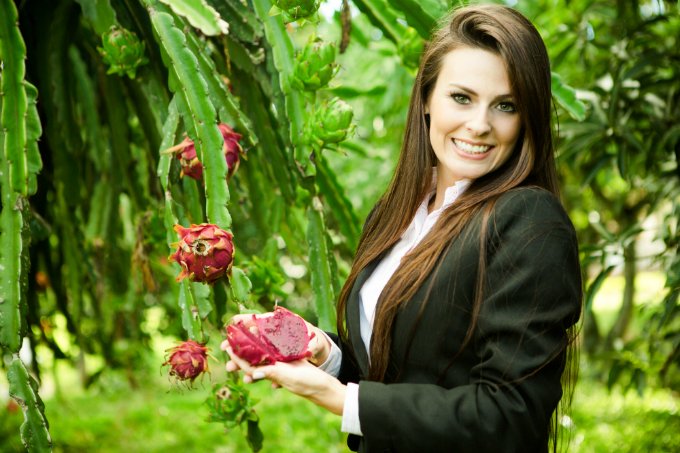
24	389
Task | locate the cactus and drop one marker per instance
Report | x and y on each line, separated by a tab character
19	163
24	389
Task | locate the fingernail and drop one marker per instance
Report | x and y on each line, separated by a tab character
258	375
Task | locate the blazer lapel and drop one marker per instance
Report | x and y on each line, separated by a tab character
353	312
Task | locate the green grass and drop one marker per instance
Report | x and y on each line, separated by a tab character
604	422
161	417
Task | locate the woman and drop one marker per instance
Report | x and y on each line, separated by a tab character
455	321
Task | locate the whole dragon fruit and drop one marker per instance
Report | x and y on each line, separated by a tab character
204	251
192	166
187	360
282	336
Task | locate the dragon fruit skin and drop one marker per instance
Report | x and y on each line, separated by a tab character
248	346
232	148
204	251
192	166
187	360
188	160
282	337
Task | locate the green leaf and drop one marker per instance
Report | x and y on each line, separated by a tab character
343	211
594	287
191	320
200	15
243	25
254	436
24	390
202	298
566	97
169	136
240	285
421	14
99	13
383	17
320	266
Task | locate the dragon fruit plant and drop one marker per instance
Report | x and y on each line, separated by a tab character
315	65
192	166
293	10
330	124
204	251
282	336
230	404
122	51
187	360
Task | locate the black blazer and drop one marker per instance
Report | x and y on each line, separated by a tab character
499	393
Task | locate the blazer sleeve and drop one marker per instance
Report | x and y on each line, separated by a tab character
349	370
532	294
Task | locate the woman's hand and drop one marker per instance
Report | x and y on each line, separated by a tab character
299	377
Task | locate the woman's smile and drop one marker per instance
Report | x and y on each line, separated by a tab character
470	149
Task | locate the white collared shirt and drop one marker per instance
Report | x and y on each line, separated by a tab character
421	224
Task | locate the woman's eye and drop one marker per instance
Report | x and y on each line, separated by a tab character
508	107
460	98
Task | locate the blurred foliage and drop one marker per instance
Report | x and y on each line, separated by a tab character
95	224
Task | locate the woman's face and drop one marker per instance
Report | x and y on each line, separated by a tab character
473	121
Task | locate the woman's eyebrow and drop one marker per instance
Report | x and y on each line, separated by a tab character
469	90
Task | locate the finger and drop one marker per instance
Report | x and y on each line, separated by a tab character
238	361
232	366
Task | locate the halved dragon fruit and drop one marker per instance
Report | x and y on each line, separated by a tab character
282	337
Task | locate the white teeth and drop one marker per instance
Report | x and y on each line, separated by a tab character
472	149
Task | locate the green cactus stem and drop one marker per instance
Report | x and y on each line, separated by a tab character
24	390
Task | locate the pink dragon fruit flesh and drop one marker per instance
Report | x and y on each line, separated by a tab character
281	336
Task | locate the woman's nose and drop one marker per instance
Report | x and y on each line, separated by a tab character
478	123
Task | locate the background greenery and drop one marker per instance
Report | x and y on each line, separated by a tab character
88	205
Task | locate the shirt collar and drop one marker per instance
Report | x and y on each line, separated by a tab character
452	192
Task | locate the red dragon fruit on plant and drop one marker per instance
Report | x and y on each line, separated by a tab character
187	360
204	251
282	336
192	166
